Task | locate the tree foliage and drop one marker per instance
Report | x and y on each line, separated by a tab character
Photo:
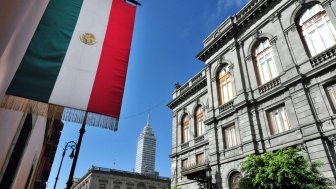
283	169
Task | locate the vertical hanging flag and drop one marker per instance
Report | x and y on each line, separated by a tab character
77	60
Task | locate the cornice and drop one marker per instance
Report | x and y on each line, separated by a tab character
188	93
252	11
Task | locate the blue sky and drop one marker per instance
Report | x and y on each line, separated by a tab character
167	36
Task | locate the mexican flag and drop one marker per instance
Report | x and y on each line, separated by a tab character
76	62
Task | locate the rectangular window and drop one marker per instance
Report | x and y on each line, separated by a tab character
199	159
184	163
278	120
331	89
230	137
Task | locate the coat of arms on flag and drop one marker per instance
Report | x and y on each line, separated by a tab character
76	62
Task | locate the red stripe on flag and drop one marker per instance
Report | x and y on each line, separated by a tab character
108	87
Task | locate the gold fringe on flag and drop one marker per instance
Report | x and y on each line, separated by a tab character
58	112
93	119
31	106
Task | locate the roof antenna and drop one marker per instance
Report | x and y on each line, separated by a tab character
148	118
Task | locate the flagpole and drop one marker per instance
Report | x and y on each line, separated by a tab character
74	162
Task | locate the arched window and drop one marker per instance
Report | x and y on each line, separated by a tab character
185	129
234	180
224	84
316	29
199	126
264	61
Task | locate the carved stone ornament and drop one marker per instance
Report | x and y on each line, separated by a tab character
248	58
291	28
326	4
230	67
275	17
304	147
273	40
301	2
332	139
257	34
299	134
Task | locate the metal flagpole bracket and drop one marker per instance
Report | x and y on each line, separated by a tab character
136	3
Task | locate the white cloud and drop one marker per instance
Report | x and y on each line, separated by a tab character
226	5
221	9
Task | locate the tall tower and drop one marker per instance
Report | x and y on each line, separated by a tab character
145	157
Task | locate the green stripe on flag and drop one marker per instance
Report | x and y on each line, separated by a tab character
38	71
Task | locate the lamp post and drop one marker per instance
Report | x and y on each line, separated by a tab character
71	145
209	184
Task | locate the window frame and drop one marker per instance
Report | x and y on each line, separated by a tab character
200	158
185	125
230	137
184	163
310	26
225	85
199	118
278	120
263	50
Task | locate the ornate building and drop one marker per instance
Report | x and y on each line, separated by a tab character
103	178
145	156
268	83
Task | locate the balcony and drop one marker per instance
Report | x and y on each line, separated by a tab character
226	106
195	169
199	139
269	85
185	145
323	57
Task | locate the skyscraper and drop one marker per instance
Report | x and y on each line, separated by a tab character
145	157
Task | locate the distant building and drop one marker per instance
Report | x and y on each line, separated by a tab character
144	176
268	83
145	157
103	178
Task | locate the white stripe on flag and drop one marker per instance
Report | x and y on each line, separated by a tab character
75	80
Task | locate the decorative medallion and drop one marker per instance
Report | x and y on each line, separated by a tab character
88	38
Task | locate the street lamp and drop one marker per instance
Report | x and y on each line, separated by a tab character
71	145
209	184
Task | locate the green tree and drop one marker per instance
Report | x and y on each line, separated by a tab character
283	169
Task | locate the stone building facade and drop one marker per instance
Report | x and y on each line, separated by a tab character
269	82
104	178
